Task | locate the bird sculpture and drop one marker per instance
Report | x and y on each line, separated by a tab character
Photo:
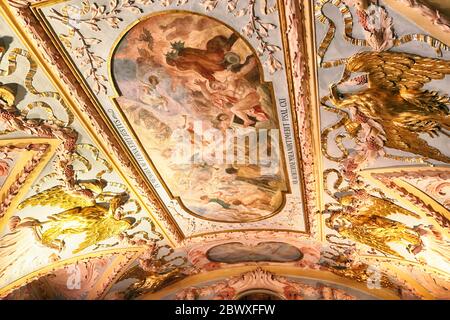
396	100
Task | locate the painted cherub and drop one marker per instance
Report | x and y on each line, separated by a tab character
236	94
150	94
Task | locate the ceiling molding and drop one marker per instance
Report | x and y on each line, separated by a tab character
279	270
98	290
425	16
33	156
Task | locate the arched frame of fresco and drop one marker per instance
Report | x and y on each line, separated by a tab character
108	277
319	275
246	46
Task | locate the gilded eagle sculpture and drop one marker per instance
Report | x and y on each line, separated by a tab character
89	212
153	271
84	215
149	281
396	100
363	218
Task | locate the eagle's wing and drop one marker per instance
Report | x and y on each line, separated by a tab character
396	70
99	229
92	237
58	196
135	272
383	208
82	215
361	235
409	141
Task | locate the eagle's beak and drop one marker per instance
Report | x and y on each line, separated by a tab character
334	94
131	221
124	197
118	201
329	223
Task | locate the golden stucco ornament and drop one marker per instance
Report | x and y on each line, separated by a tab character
363	218
7	95
154	271
395	101
84	215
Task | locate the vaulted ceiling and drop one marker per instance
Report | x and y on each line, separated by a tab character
117	180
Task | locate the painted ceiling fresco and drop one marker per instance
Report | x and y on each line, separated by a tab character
224	149
179	80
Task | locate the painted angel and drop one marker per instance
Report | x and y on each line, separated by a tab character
151	96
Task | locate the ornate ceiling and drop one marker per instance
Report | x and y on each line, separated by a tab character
224	149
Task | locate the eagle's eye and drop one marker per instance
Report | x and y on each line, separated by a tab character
341	95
